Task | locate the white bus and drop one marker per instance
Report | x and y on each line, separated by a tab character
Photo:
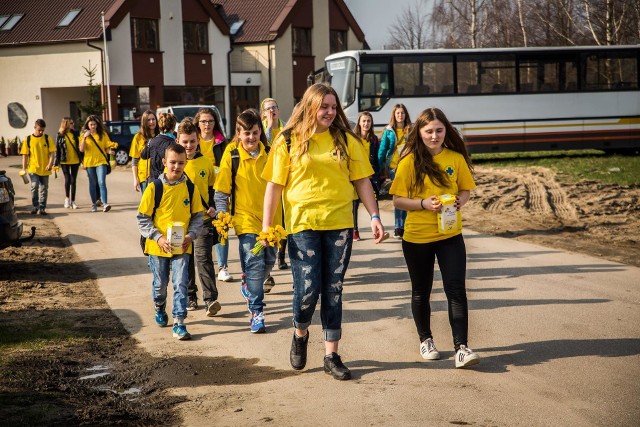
502	100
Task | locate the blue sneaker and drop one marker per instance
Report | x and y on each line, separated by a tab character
257	323
161	316
180	332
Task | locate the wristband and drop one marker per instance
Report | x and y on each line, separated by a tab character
421	205
374	217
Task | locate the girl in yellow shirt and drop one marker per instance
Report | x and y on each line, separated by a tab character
96	146
68	158
435	162
140	167
315	175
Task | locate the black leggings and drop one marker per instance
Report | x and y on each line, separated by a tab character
70	178
452	259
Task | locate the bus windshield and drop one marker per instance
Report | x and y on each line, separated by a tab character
342	74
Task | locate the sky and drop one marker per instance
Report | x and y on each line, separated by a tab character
376	16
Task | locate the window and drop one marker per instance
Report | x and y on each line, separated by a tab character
337	41
194	36
3	19
144	34
548	73
423	75
301	41
374	85
605	71
486	74
69	17
10	22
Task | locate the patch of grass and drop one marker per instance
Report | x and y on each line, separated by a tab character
575	165
34	336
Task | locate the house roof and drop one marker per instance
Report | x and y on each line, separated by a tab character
39	25
41	17
265	24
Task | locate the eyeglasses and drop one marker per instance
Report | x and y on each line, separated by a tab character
273	108
207	122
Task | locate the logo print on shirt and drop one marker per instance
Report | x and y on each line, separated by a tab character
449	170
202	174
186	201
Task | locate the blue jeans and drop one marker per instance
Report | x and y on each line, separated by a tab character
39	190
398	218
179	267
143	186
98	174
256	269
319	261
222	254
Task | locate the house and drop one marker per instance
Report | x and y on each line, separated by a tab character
158	53
278	44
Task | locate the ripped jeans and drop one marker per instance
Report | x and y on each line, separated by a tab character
319	261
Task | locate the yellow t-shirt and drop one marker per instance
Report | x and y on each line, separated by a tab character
72	153
206	147
400	136
421	226
39	150
318	189
395	157
137	145
174	206
250	188
92	155
200	171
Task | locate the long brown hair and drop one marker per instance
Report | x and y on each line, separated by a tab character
100	130
358	128
303	122
145	130
422	159
393	123
217	126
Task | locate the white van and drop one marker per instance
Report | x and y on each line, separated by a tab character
182	111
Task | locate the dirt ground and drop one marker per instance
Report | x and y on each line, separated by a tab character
51	301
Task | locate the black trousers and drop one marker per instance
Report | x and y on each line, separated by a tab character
70	178
452	259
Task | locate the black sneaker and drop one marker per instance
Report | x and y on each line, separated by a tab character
282	264
192	304
43	212
334	367
34	211
298	355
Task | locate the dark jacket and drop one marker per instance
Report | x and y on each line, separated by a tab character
154	151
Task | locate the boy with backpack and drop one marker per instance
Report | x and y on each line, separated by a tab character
38	154
170	217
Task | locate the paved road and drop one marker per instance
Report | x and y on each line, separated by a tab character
558	333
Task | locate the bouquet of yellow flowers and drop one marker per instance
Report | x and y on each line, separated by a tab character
272	236
223	223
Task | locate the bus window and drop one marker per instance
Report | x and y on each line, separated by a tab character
480	74
437	73
343	79
611	71
547	73
374	86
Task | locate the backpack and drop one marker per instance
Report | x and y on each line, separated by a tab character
46	142
159	189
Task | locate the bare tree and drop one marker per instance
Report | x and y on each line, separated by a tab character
411	29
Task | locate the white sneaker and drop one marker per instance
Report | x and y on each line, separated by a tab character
466	357
73	205
428	350
224	276
106	208
94	208
66	203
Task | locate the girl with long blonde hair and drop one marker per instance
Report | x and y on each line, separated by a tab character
313	166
